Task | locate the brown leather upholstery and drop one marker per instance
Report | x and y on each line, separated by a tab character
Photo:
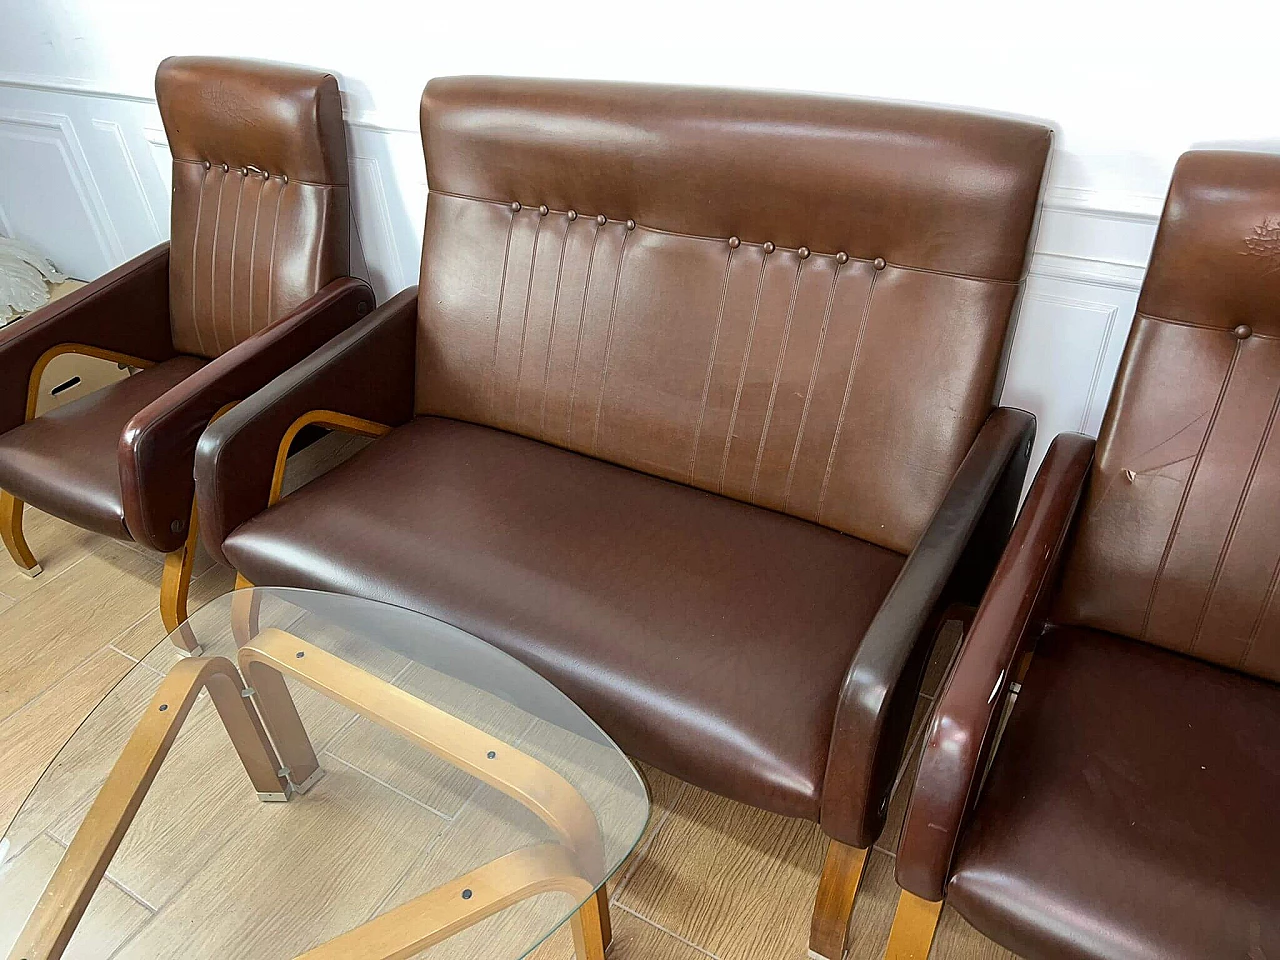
260	215
1131	810
65	461
833	360
1179	539
708	638
760	655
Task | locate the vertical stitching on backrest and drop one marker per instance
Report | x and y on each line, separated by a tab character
235	237
848	392
551	333
1235	521
528	298
608	339
711	364
497	326
253	251
213	268
271	256
1186	492
195	249
742	376
777	375
813	380
582	322
1267	600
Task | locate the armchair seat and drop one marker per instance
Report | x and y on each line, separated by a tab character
65	462
1093	838
708	636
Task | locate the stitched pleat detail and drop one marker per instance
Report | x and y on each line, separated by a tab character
551	332
497	325
608	339
777	375
582	322
528	297
711	364
813	380
742	375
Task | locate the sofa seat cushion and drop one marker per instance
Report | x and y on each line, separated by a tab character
707	636
1131	811
66	462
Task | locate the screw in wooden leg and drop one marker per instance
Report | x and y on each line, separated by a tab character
914	925
11	533
841	874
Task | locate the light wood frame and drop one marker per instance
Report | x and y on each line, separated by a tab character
574	866
11	507
914	924
53	922
329	419
842	872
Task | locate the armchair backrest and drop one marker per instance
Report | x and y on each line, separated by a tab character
796	301
260	214
1178	540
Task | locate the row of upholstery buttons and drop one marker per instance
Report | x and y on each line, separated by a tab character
734	242
244	171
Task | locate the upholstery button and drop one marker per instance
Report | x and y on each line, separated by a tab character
543	211
631	224
284	178
265	175
515	206
1243	332
573	214
769	247
842	257
225	168
207	165
879	263
804	253
601	219
734	242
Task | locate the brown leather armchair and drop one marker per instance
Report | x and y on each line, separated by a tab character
1130	810
692	412
253	280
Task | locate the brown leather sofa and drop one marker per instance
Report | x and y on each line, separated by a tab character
1132	808
253	279
692	413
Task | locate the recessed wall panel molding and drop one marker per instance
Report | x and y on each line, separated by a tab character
375	235
50	194
163	159
152	216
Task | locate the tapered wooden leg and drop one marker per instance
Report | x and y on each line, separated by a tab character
841	874
60	907
285	726
246	609
11	533
913	928
592	929
176	585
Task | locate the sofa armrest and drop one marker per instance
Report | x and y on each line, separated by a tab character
966	719
158	447
366	372
123	314
879	691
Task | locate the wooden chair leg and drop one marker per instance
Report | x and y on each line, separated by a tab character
914	924
841	875
174	588
11	532
592	928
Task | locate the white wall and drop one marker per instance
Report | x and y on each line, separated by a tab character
1130	84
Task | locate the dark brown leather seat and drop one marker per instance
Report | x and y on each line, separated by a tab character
658	608
1130	812
66	460
693	412
253	280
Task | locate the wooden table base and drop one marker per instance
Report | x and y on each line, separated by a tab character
574	866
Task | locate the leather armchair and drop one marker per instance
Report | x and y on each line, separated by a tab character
1098	778
664	429
254	282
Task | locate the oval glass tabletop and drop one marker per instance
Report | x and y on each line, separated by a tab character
443	800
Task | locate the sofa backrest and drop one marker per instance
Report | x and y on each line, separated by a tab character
260	215
1179	536
796	301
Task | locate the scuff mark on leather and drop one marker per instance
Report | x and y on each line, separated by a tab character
1265	243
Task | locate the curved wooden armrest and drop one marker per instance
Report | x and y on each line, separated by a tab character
330	420
60	907
505	768
966	719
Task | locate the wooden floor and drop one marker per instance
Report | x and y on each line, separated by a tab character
711	879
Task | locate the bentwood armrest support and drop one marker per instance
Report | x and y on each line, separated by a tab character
879	690
67	896
962	731
157	449
366	372
123	315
